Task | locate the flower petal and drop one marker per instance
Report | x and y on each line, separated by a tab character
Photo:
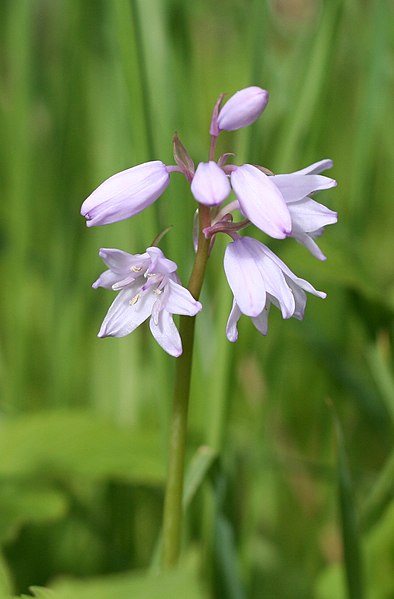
125	194
243	108
126	282
127	312
166	333
261	321
292	277
244	278
308	215
305	286
106	280
210	185
159	263
295	187
261	201
299	297
121	262
316	168
274	280
179	300
309	243
231	328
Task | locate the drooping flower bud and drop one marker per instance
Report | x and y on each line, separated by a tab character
242	109
210	185
125	194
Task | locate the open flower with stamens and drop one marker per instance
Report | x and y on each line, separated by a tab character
148	287
258	278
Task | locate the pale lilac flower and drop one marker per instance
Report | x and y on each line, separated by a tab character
242	109
210	184
308	217
258	278
148	287
126	193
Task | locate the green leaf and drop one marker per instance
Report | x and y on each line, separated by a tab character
330	583
350	533
379	551
198	469
79	444
227	559
5	578
20	504
380	554
40	593
381	371
181	582
381	494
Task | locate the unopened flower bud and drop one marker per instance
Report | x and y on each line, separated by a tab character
242	109
210	185
125	194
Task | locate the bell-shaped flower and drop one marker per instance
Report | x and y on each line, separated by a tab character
148	287
258	278
261	201
210	184
308	217
125	194
242	109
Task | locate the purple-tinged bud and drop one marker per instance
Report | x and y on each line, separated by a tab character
243	108
125	194
210	185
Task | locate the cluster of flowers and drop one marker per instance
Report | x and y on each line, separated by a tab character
279	205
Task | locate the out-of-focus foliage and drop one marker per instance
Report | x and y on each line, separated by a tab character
90	88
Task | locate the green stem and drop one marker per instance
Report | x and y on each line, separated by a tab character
172	517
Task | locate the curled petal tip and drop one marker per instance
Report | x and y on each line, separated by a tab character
331	182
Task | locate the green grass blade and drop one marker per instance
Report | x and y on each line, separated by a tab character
350	530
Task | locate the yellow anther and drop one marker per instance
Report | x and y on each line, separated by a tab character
134	299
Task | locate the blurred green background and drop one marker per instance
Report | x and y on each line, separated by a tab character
294	498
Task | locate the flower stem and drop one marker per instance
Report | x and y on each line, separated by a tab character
172	517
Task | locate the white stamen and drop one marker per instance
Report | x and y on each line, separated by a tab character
136	268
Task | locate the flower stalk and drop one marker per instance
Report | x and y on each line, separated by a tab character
172	517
